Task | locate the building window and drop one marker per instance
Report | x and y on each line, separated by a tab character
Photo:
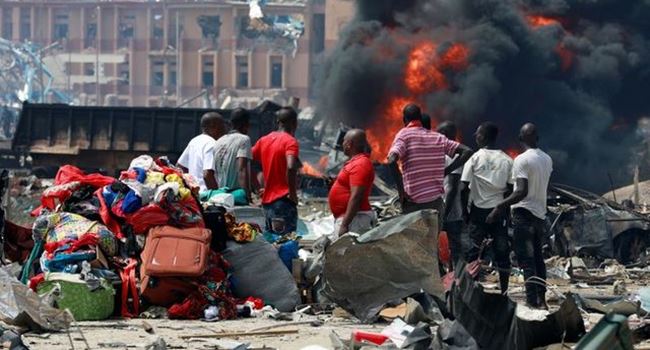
241	71
126	28
61	25
25	23
207	72
172	30
125	73
157	31
157	73
89	69
318	33
7	23
91	35
276	71
210	28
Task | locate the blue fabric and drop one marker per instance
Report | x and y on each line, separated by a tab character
61	261
131	203
142	175
109	195
287	252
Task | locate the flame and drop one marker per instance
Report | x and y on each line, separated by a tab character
381	133
566	56
512	152
537	21
324	162
315	170
308	169
455	58
424	73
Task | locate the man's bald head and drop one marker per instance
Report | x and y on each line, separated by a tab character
355	142
213	124
528	135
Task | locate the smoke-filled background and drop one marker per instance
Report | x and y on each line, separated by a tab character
580	69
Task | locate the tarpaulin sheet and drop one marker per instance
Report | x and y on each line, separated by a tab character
491	319
392	261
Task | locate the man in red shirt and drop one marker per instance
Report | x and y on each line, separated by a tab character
278	153
349	196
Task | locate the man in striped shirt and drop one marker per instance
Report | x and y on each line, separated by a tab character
422	154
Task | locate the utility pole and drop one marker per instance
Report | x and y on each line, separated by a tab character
97	48
179	66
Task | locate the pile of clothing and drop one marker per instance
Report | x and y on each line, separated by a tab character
94	231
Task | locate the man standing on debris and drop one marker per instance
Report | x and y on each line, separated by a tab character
233	153
349	196
486	181
531	172
422	154
278	153
198	157
453	214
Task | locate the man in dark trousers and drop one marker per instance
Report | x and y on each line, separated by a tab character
453	214
486	181
422	155
278	152
531	172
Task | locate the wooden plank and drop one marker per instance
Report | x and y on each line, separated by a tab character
240	334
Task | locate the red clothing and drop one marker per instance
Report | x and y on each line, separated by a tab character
272	151
358	171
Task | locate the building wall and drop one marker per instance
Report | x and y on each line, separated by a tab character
339	13
154	53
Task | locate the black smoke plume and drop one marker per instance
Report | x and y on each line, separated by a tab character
585	80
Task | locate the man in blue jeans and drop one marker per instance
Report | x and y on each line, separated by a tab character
278	152
531	172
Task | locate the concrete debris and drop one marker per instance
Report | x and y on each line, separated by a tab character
260	26
25	76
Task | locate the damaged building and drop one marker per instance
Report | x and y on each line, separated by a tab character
171	53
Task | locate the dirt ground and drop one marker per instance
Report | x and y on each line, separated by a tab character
130	334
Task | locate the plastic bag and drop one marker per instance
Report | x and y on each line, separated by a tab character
258	271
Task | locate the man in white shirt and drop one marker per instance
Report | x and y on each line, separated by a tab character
198	157
486	180
531	172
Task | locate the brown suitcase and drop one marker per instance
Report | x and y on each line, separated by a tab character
171	251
